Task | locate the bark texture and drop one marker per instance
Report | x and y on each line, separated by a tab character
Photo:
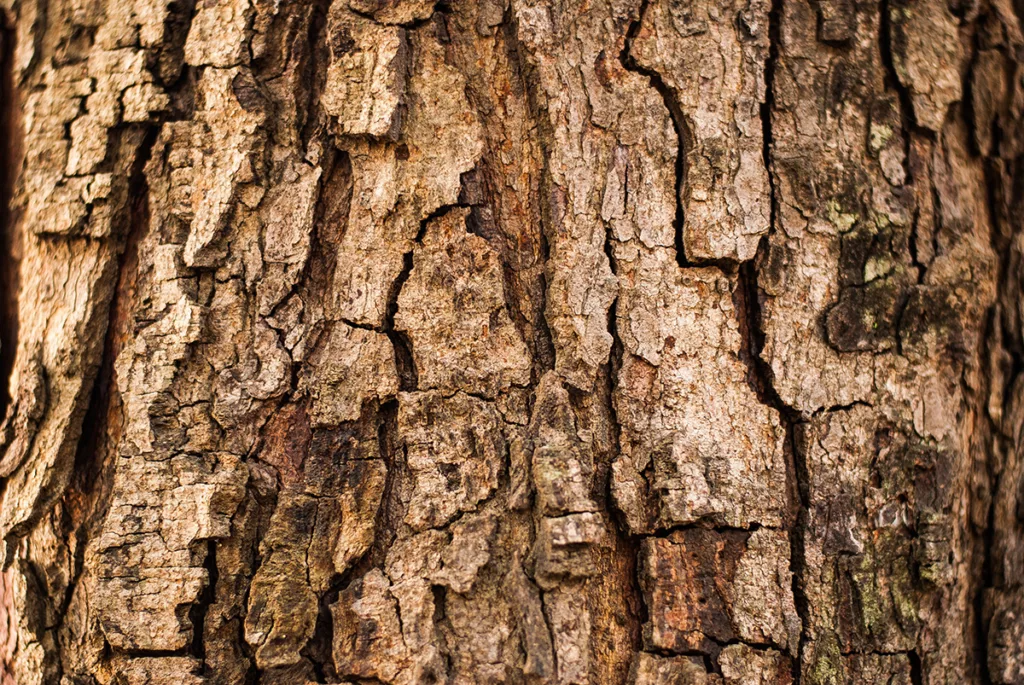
540	342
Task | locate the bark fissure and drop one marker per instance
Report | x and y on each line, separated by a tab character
637	615
746	298
998	144
998	343
197	614
407	374
678	123
754	346
791	418
894	83
8	227
96	433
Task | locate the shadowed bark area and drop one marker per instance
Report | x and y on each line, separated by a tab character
537	342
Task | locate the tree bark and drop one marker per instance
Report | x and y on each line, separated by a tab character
512	341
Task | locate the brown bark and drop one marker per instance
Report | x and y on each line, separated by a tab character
512	341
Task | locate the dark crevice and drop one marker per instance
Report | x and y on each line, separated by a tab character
78	564
479	194
967	105
35	620
407	375
916	676
842	407
264	502
315	69
1003	211
762	378
153	653
691	654
389	445
84	500
363	326
318	650
9	235
166	63
707	524
333	184
96	438
767	107
95	424
408	378
441	7
912	246
441	626
937	214
536	113
897	326
330	218
197	613
760	372
751	323
678	123
892	82
638	613
986	576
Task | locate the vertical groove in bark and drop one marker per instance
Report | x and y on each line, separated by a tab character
984	538
994	538
759	368
197	614
407	376
893	82
9	231
998	536
678	123
9	278
637	615
732	267
86	499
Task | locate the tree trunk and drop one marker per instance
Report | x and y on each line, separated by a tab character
527	342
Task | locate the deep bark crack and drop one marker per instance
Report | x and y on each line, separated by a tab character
9	154
747	296
893	81
197	614
997	337
761	372
404	360
682	129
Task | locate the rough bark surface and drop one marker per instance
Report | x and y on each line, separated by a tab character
540	342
